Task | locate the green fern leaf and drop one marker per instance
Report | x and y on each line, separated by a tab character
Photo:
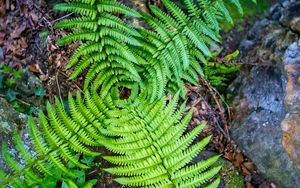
153	149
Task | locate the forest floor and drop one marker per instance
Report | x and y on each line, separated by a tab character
27	40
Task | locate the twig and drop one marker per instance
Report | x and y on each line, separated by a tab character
19	100
57	84
214	118
214	94
92	172
64	74
61	18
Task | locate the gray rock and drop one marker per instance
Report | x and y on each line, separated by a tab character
10	122
290	12
291	123
28	83
267	95
275	12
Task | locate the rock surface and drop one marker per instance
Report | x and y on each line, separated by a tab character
11	121
28	83
291	124
267	103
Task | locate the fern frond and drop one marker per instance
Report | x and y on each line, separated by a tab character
79	8
57	139
79	36
177	38
112	6
85	23
153	149
183	33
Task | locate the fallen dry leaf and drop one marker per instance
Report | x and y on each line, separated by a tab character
228	155
245	171
34	16
249	165
18	30
249	185
23	42
2	10
239	158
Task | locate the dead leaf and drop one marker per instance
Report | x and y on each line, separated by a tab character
195	111
23	9
34	68
2	35
18	31
239	158
249	185
52	47
23	42
228	155
245	171
10	47
249	165
2	10
34	16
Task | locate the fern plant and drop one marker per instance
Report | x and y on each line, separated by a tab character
154	143
105	40
159	60
181	39
152	149
58	139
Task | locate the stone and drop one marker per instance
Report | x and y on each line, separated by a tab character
295	24
291	137
291	124
266	125
11	121
290	12
292	71
28	83
275	12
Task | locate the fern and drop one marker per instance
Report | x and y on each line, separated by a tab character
153	149
105	40
160	60
182	38
57	139
149	136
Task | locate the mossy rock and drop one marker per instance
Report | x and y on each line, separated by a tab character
231	178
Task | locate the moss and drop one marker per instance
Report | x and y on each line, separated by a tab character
231	177
234	180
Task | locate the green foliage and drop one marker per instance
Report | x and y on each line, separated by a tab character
153	150
219	72
252	9
9	82
159	59
105	49
142	132
146	134
57	139
8	77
